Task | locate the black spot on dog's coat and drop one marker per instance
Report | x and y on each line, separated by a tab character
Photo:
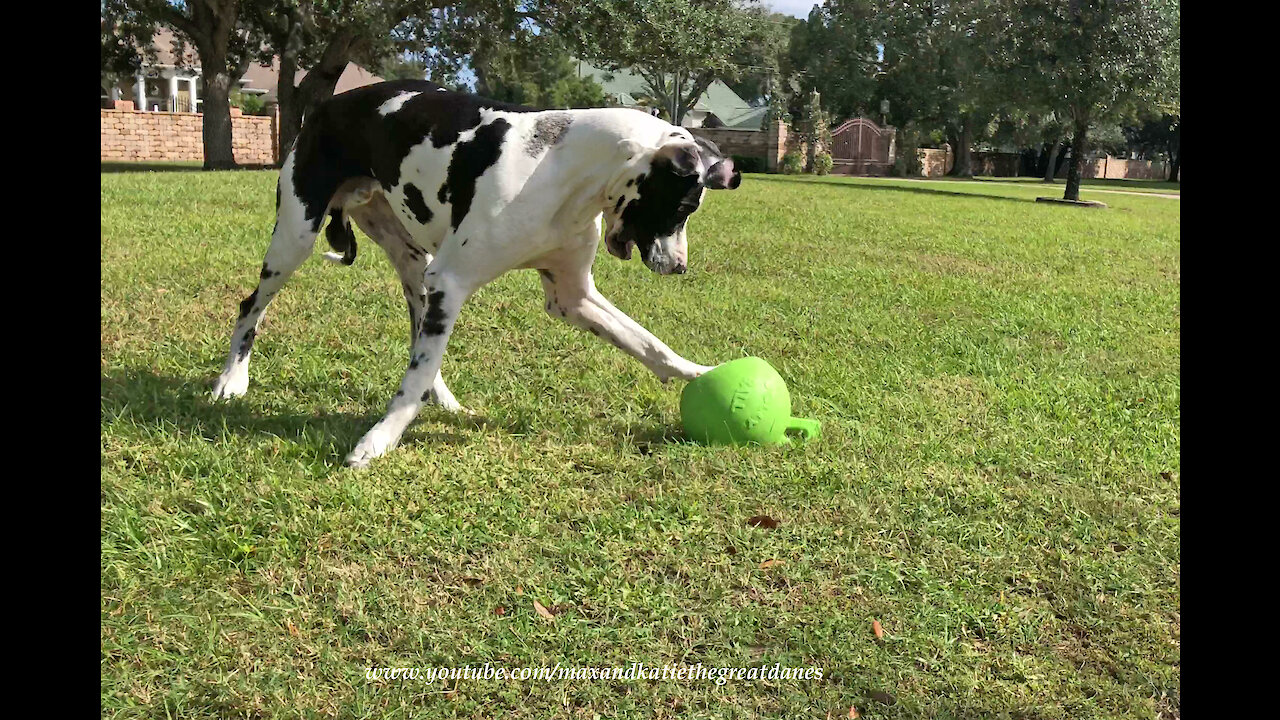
247	304
547	131
346	137
470	160
417	204
433	322
246	345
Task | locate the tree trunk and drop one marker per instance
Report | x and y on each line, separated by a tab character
290	112
1175	164
1078	144
316	87
1051	169
964	159
216	106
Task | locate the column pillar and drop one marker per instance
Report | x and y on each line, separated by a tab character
173	92
140	92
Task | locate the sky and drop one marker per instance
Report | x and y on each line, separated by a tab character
794	8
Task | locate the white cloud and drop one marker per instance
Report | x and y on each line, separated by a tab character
794	8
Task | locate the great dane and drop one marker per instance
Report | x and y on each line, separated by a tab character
458	189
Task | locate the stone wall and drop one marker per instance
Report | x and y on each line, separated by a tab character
768	144
133	136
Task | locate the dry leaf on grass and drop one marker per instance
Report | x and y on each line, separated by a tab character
770	563
883	697
543	611
875	628
853	713
762	521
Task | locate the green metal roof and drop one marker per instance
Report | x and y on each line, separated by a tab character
624	86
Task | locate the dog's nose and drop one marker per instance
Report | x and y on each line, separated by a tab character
679	269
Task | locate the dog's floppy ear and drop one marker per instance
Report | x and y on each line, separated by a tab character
630	148
683	159
723	176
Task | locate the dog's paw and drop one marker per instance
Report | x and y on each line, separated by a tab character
699	370
230	387
369	447
445	401
685	371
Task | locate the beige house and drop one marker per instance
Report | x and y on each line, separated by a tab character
172	84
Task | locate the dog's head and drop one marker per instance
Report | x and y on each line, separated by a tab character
659	188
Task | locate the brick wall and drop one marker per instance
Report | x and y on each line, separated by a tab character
935	162
768	144
132	136
1119	168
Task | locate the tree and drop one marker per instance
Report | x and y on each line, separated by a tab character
224	42
760	58
834	52
1158	136
533	69
124	46
1102	61
679	47
402	67
936	69
322	37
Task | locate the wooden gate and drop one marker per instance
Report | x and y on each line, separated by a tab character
860	147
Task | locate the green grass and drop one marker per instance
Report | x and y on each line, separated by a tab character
997	481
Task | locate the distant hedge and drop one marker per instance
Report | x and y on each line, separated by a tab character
744	163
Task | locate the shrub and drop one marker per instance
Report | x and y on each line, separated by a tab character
749	164
793	163
249	104
822	163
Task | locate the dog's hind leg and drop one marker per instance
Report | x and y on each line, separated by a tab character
377	219
451	279
292	241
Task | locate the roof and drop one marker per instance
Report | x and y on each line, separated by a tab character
625	86
163	40
267	77
259	77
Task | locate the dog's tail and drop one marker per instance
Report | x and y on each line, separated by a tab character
340	238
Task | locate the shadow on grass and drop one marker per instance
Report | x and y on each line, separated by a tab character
163	401
128	167
898	188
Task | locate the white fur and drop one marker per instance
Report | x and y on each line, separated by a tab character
396	102
545	212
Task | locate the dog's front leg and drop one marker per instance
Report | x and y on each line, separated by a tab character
572	296
640	343
445	295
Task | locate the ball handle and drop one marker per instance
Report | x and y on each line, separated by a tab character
804	427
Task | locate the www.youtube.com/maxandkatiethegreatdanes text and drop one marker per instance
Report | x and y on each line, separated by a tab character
635	671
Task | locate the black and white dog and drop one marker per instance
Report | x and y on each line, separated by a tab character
458	190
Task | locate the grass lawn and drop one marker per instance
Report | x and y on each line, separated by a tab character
997	482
